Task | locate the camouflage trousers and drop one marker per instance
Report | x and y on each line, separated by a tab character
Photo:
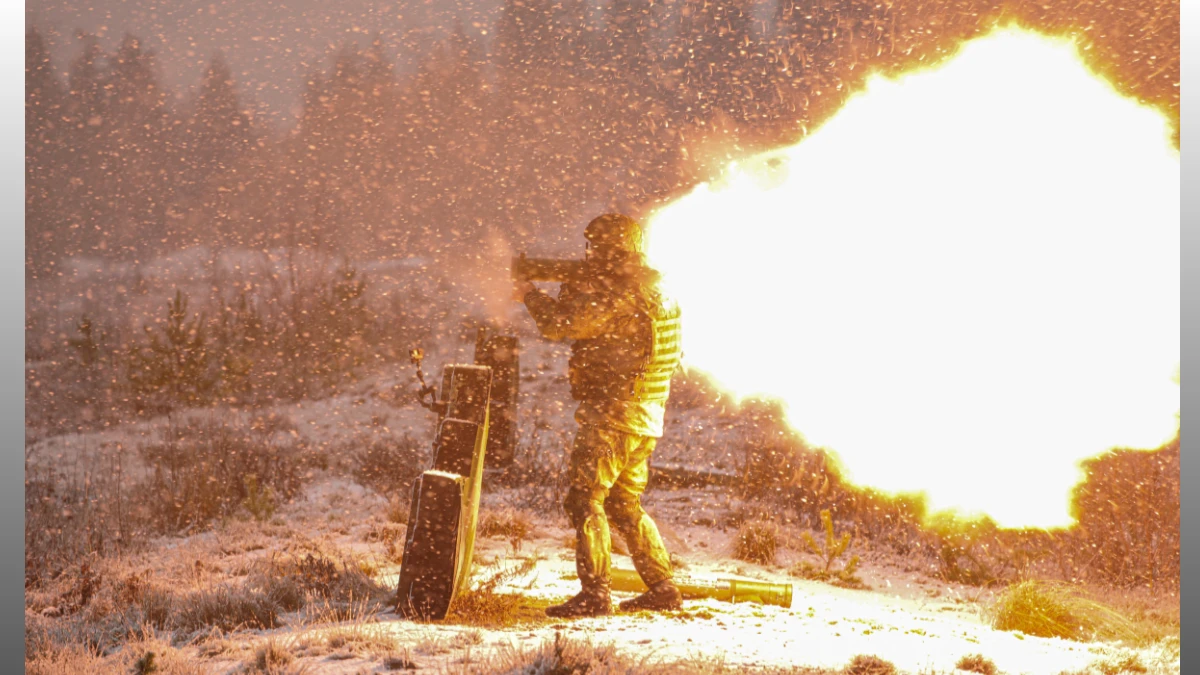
608	473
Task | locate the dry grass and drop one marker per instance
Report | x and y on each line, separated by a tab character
109	500
272	657
400	661
389	534
227	607
389	466
1118	665
757	541
864	664
361	636
977	663
511	524
1155	616
570	656
483	605
70	659
100	634
397	510
345	632
144	654
1050	609
308	572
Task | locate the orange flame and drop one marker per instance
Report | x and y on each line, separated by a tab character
962	284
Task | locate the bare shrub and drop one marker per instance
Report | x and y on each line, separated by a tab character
757	541
780	467
1050	609
200	471
1128	512
511	524
299	335
307	572
77	512
693	390
1127	509
271	657
539	466
770	450
397	510
390	465
226	607
865	664
977	663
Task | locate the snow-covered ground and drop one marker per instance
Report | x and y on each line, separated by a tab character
905	615
918	623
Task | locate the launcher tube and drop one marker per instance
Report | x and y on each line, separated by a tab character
545	269
726	589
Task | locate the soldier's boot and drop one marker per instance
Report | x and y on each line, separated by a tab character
596	601
662	596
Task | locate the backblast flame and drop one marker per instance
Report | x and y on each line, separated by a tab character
962	284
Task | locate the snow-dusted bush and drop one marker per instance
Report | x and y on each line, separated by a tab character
199	471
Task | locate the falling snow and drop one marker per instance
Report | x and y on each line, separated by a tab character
242	215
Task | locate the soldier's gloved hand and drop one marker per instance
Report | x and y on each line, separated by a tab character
521	288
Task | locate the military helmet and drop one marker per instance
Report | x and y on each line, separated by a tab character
615	231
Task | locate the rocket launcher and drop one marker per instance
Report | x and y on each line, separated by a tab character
545	269
727	589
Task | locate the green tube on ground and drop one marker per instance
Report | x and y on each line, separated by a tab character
726	589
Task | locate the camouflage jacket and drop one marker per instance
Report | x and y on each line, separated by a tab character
626	345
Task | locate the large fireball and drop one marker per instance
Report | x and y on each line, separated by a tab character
962	284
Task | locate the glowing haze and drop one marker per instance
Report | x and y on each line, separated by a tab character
962	284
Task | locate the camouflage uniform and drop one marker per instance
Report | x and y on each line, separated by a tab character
626	346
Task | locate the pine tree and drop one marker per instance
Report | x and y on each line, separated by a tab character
219	131
173	366
85	210
45	158
139	150
216	145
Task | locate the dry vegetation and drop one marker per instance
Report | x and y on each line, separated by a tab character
977	663
484	605
831	568
567	655
102	508
1127	509
1049	609
513	525
757	541
869	665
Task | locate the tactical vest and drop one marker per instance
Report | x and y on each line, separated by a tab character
636	360
654	382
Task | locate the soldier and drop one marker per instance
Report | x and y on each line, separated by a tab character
625	348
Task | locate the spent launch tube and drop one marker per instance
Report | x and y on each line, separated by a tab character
727	589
